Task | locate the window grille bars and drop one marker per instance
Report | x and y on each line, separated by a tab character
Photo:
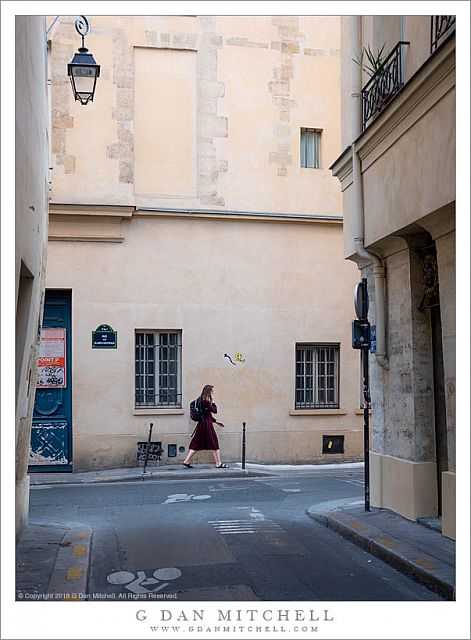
157	369
317	376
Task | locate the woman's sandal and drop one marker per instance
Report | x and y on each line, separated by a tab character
222	466
187	465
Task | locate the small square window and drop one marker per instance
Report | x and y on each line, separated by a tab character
310	148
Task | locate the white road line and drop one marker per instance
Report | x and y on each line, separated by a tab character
258	523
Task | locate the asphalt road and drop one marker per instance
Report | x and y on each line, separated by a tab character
223	539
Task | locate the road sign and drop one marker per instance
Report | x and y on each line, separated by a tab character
360	300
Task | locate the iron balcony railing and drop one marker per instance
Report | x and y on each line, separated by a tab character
383	86
439	26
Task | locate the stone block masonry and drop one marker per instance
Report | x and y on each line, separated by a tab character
210	125
280	88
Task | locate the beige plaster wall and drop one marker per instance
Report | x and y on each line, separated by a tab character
449	504
228	286
31	224
389	208
199	112
165	137
416	30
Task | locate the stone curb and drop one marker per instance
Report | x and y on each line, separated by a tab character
394	558
154	475
69	579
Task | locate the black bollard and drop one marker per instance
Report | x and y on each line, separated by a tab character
148	447
243	445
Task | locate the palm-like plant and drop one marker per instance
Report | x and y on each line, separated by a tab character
375	61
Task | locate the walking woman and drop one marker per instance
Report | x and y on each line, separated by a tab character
204	435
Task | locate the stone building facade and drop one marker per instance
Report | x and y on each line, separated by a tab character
397	173
193	213
31	225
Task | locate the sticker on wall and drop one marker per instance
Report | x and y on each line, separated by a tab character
104	337
51	361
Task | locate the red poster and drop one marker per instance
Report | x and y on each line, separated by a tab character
51	362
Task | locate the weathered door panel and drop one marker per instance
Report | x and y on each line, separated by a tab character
51	433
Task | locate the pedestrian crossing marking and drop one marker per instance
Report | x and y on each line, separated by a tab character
236	527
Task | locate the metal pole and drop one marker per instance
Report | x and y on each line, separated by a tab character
148	446
243	445
366	402
366	429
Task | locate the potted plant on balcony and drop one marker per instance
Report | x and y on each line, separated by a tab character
373	64
375	61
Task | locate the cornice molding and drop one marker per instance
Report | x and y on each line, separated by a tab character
102	210
62	212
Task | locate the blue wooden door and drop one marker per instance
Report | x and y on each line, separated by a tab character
51	432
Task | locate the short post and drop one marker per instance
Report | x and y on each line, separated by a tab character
148	446
243	445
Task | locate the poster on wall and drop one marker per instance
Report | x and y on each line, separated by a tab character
51	361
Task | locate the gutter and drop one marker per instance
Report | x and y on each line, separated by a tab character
358	209
244	214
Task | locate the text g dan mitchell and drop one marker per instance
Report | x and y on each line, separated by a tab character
238	615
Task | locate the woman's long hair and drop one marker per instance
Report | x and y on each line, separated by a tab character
206	393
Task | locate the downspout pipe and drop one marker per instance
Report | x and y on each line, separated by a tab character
358	208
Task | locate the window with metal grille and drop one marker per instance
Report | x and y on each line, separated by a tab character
310	148
317	376
158	369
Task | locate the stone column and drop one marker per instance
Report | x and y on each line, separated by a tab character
403	453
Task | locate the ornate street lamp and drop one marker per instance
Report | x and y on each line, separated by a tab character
83	70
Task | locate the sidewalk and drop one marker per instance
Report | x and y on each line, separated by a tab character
413	548
53	561
178	472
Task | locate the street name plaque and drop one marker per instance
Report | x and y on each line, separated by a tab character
104	337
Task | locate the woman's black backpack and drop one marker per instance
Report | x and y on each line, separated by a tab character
196	413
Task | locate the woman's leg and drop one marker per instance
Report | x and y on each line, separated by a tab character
217	457
191	453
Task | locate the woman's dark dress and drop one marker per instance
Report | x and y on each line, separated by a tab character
204	436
